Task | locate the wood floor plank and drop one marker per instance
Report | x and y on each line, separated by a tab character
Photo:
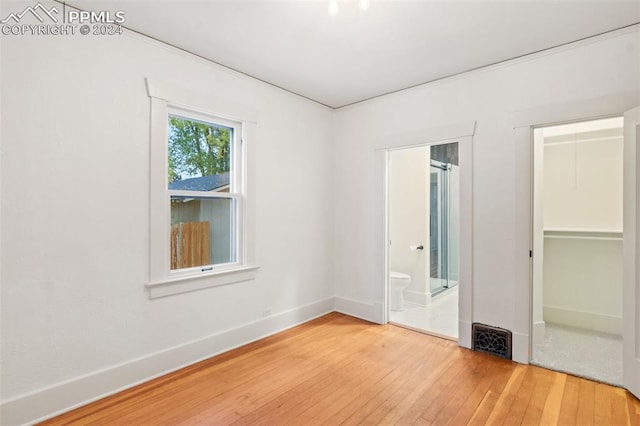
243	400
373	407
444	405
464	410
485	408
297	401
339	400
396	402
503	405
610	405
417	388
543	380
551	409
569	404
311	393
586	402
501	375
521	398
367	401
429	394
342	370
633	409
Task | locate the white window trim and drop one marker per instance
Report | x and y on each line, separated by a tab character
169	99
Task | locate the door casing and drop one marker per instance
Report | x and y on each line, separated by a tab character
523	123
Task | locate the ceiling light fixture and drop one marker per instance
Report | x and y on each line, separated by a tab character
364	4
333	7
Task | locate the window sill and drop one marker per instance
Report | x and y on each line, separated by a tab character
189	283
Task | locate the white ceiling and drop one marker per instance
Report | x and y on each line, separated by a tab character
357	55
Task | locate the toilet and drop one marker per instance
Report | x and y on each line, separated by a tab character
397	283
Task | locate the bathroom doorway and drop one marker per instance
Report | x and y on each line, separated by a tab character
424	200
578	248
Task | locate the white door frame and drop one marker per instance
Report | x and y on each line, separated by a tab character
631	253
523	123
463	134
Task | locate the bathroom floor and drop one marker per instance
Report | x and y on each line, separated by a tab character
581	352
440	318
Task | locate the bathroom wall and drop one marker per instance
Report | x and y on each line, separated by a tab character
408	218
582	205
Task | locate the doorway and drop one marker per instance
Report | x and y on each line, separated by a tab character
424	222
578	248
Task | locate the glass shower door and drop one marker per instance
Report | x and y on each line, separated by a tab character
443	226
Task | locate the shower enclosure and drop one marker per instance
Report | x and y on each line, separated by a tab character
444	218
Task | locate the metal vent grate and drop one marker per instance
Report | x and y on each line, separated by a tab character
492	340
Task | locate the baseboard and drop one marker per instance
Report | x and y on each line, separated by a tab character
373	312
588	320
520	347
464	334
57	399
417	297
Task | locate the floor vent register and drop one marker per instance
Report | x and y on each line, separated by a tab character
491	340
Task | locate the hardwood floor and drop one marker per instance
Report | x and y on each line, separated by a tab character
341	370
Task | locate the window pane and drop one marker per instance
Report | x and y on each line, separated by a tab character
202	231
199	155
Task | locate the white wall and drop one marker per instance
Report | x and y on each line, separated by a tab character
408	218
591	70
583	282
584	185
76	319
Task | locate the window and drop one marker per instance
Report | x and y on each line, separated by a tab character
200	215
205	191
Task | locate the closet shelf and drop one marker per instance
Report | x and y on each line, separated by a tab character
583	234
